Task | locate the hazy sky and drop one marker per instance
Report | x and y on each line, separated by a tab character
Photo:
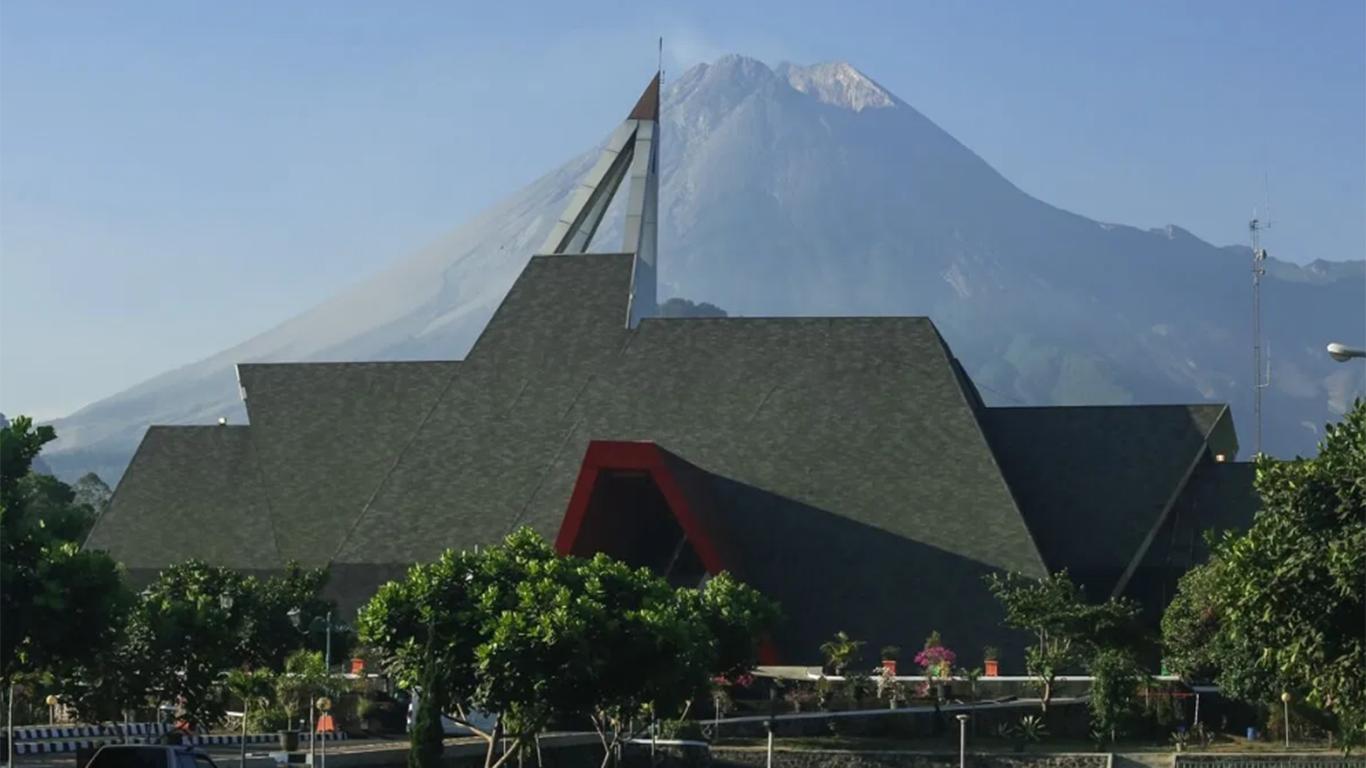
176	177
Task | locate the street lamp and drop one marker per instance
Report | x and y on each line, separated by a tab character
51	708
1342	353
962	741
1285	702
318	623
324	705
295	618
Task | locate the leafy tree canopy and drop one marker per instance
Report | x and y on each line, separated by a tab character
47	584
522	633
1279	608
1068	629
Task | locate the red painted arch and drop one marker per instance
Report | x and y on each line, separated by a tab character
615	455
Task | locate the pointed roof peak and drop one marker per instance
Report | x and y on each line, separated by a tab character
647	108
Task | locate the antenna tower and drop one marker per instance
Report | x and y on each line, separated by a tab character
1261	375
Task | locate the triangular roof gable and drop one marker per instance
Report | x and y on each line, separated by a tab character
1095	481
190	492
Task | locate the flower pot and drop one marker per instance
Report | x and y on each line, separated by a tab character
991	667
289	741
889	665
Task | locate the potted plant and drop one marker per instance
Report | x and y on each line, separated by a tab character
991	664
937	661
840	651
889	656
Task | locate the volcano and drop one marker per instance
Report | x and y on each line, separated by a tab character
794	190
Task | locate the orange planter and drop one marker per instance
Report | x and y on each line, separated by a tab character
993	667
889	665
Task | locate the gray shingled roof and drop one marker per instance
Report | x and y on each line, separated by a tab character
190	492
847	457
327	433
1094	481
860	416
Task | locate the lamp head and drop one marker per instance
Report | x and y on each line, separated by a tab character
1342	353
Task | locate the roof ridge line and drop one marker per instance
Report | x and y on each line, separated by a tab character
1180	488
398	457
109	505
540	482
990	449
265	494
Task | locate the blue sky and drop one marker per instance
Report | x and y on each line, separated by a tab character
175	177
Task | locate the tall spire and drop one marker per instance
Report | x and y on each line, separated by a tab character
632	151
647	107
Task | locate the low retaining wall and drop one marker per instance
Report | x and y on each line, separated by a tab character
730	757
1214	760
73	745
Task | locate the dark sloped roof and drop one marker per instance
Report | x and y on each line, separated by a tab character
477	461
327	433
190	492
863	417
1094	481
857	442
1219	497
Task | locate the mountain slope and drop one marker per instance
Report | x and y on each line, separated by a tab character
811	191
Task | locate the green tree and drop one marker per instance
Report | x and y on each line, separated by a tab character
303	679
1067	628
253	688
737	616
1116	676
47	584
1279	608
427	738
1190	625
651	648
194	625
525	635
274	635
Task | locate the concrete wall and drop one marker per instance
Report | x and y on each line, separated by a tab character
1321	760
737	758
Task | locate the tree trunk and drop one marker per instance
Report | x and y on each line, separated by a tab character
427	740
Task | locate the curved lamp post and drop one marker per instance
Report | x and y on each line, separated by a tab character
962	741
325	625
1285	724
1342	353
324	705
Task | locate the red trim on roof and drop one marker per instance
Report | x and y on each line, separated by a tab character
607	455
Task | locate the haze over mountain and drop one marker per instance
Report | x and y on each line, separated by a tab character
814	191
